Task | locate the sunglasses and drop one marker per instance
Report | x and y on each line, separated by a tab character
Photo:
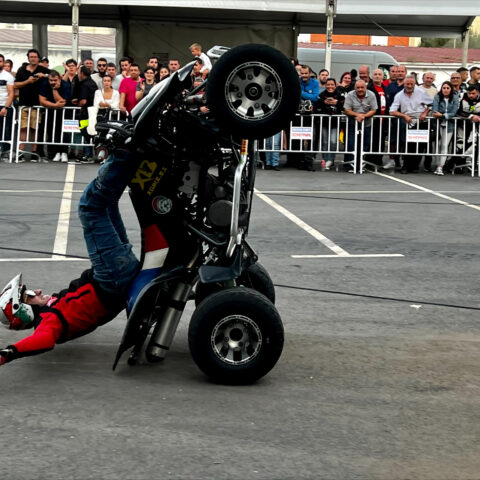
101	64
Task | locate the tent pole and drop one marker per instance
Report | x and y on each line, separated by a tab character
465	37
330	11
75	33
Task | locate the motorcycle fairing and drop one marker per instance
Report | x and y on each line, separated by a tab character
143	308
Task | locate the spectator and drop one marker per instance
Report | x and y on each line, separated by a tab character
112	73
154	63
71	78
428	85
6	101
124	63
106	98
322	78
44	62
445	106
309	86
196	51
469	108
330	102
380	123
272	159
412	105
89	63
143	88
197	70
474	76
163	72
415	76
464	74
101	71
364	74
392	76
28	82
353	75
458	86
128	88
310	89
9	67
87	88
394	88
173	65
345	84
54	95
360	106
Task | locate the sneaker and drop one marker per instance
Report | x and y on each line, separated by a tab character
276	168
57	157
64	157
389	165
328	165
438	171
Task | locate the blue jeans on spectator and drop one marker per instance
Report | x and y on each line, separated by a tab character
329	143
272	158
6	130
113	261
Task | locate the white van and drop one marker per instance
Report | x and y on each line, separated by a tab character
345	60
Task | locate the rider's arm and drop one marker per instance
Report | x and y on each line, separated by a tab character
42	339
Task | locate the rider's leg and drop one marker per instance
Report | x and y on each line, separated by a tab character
113	261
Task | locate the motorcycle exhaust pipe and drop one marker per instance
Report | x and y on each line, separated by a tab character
165	329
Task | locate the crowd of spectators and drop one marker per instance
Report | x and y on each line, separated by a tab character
96	90
369	100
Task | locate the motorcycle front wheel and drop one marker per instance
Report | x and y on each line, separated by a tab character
236	336
253	91
255	277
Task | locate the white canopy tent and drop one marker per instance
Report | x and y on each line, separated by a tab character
174	24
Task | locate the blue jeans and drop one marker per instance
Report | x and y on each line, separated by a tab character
113	261
272	158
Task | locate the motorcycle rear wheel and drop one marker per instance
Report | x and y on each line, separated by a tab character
255	277
236	336
253	91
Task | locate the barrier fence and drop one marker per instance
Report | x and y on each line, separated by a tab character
44	126
380	138
367	143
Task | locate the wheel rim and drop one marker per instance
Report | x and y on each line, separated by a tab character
253	91
236	339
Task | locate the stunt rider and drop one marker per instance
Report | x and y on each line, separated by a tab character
100	293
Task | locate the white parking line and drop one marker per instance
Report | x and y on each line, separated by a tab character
61	236
428	190
339	251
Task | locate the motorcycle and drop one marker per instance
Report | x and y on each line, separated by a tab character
192	193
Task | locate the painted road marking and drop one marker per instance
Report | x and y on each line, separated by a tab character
428	190
339	251
61	236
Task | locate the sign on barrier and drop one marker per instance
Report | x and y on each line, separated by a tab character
301	133
70	126
418	136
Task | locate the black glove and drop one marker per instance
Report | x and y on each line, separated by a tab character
7	355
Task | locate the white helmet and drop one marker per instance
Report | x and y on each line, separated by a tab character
15	314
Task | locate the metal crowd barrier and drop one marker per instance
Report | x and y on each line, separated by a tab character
7	133
387	136
50	126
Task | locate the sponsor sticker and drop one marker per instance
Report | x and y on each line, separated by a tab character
301	133
417	136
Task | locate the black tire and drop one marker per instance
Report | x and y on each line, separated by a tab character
253	91
236	336
254	277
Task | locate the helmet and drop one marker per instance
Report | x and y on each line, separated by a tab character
14	313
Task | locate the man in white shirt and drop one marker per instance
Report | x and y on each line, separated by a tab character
412	105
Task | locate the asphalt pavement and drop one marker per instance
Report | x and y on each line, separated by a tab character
377	285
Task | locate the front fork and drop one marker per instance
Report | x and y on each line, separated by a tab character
166	326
